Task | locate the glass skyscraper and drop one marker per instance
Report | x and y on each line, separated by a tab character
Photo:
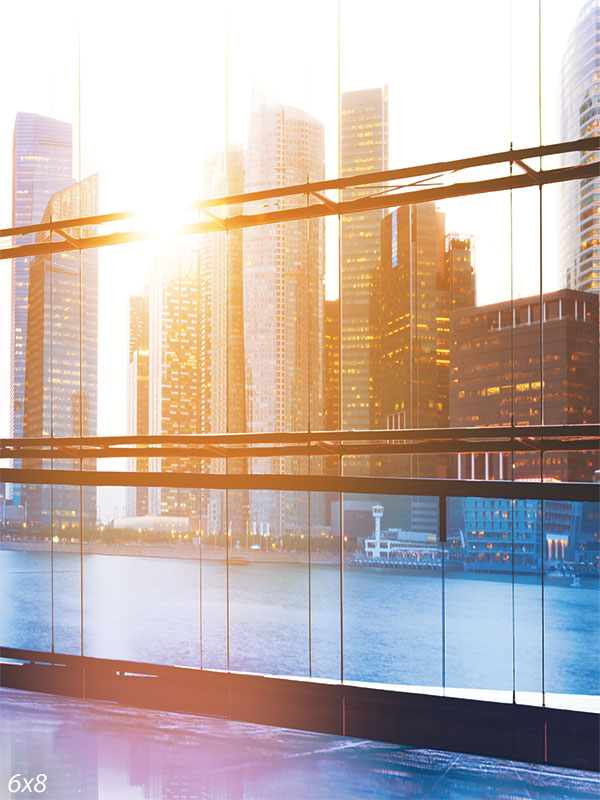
61	373
42	165
173	375
579	228
364	148
137	394
284	295
222	359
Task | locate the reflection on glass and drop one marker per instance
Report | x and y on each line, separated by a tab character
26	578
230	332
571	598
392	591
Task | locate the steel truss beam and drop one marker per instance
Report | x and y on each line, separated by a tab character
326	207
424	487
545	438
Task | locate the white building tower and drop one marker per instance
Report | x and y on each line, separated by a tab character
579	223
377	511
284	269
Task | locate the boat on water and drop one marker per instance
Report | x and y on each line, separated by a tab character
403	550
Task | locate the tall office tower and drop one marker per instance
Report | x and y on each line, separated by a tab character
364	148
406	326
42	165
456	290
331	366
579	223
173	368
331	396
495	377
138	407
422	275
223	363
284	266
61	378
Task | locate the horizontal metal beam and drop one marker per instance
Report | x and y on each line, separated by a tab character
427	487
502	432
313	449
317	210
362	179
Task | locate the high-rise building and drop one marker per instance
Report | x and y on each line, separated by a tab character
173	368
331	396
284	267
221	264
495	378
364	148
405	317
42	165
422	274
456	290
331	366
222	363
138	407
579	223
61	378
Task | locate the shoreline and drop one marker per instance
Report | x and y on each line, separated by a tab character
245	558
183	552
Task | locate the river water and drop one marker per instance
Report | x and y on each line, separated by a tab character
285	620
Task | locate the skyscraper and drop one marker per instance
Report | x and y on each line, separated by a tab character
579	223
405	318
61	378
364	148
422	275
138	406
222	363
223	298
42	165
173	368
331	365
284	267
455	290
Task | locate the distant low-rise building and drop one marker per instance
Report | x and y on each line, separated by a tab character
496	378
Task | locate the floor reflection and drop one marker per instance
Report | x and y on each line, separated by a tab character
89	749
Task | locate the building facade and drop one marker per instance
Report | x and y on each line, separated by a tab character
138	406
61	377
422	275
363	148
579	223
223	362
405	317
173	372
284	293
42	165
501	535
331	366
496	378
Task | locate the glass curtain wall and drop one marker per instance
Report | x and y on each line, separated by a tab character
439	313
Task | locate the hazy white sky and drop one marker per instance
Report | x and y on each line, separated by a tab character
159	86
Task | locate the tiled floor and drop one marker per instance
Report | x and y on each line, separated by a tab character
88	749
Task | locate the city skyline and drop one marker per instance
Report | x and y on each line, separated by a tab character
120	152
106	405
303	392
